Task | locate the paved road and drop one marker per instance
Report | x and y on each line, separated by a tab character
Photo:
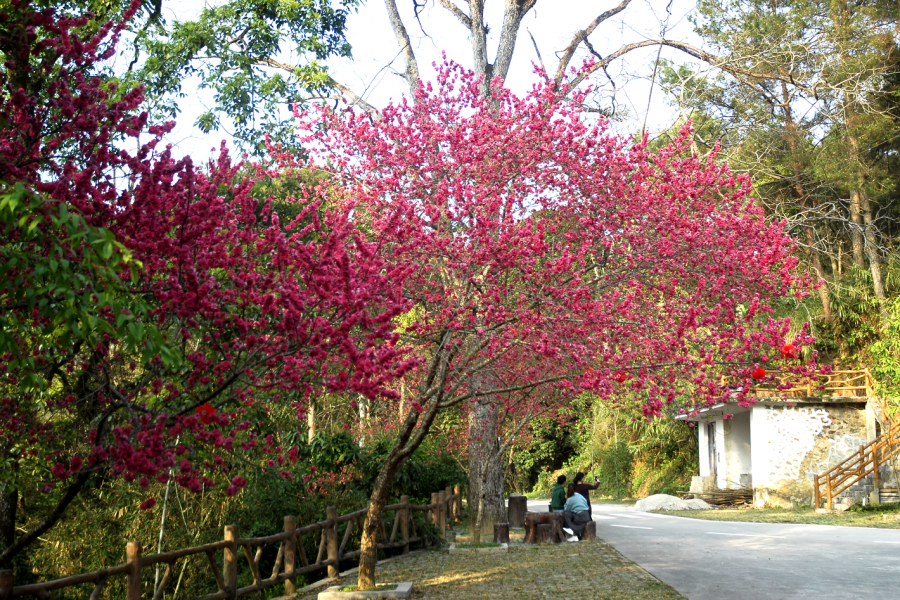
714	560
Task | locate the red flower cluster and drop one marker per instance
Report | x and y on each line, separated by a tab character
207	413
621	376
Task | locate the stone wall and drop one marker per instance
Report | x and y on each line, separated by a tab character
793	444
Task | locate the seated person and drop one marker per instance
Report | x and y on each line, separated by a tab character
576	514
558	495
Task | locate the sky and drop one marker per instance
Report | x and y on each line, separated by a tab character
374	70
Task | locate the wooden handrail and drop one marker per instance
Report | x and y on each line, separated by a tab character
285	571
857	466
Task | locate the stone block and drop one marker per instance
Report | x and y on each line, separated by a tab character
403	590
502	548
700	485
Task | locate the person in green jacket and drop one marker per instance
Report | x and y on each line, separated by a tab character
558	495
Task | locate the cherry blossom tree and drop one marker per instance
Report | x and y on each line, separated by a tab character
545	255
152	310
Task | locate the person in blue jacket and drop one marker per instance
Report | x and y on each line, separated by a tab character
576	514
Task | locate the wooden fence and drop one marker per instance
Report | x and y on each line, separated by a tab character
445	507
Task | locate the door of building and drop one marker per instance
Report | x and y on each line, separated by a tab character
711	442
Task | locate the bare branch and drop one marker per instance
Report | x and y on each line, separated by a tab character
458	13
582	36
353	97
746	76
537	51
412	66
512	19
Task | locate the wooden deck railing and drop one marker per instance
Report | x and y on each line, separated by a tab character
851	383
445	508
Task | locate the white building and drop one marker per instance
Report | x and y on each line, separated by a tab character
778	445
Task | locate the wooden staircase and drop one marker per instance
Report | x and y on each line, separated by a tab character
871	458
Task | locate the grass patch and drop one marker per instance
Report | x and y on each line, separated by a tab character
868	516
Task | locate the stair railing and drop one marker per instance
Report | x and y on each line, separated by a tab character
857	466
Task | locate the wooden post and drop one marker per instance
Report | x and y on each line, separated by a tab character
876	474
448	507
817	505
828	490
442	515
331	536
403	515
6	583
133	581
862	462
457	510
290	549
229	565
434	511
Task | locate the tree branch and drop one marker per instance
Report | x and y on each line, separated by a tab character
512	19
582	36
711	59
354	99
412	66
458	13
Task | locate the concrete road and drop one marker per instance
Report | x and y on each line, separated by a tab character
714	560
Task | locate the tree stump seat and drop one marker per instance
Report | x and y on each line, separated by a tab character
518	506
501	533
590	531
544	527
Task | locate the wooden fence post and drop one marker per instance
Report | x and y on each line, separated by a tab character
448	506
229	564
133	581
403	515
434	510
290	549
332	541
6	583
442	516
457	510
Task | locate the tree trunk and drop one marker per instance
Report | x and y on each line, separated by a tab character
363	419
310	422
872	246
816	261
485	475
856	229
9	500
369	545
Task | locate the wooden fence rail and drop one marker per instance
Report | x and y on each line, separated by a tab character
445	508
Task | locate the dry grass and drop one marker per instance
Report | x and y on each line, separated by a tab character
539	571
868	518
